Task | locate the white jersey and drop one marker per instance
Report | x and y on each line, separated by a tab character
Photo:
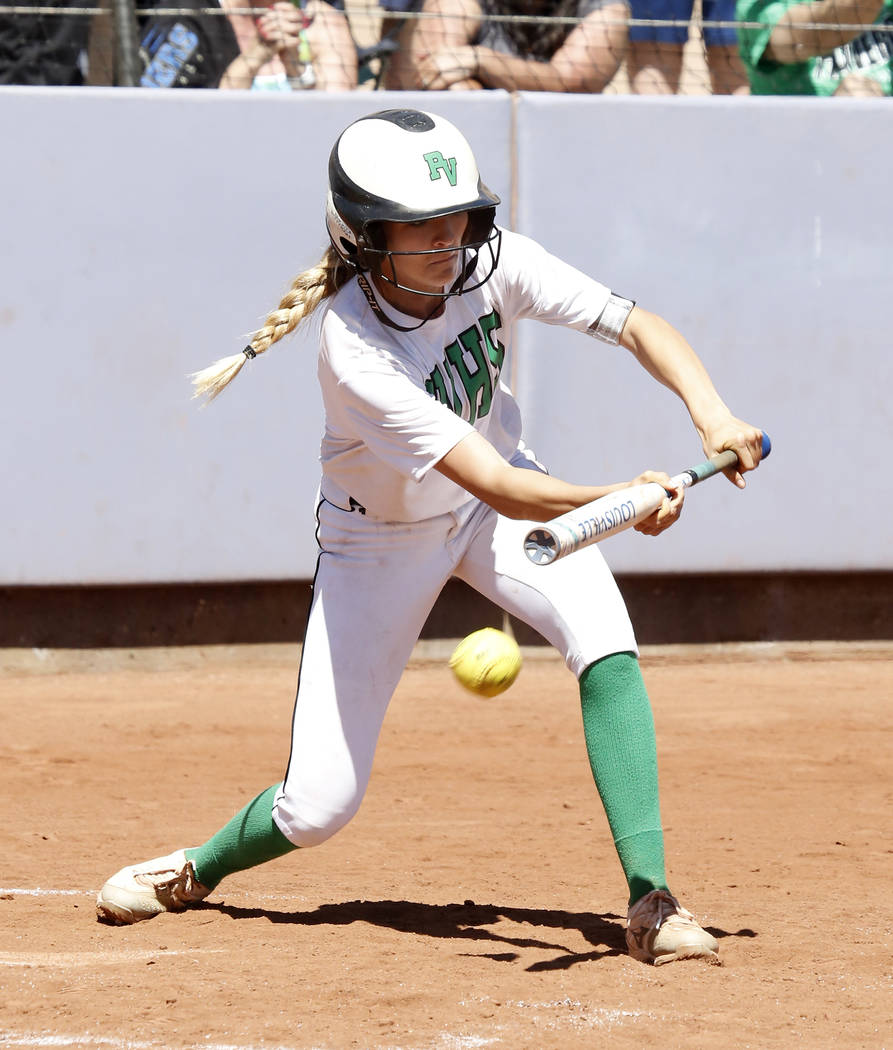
397	402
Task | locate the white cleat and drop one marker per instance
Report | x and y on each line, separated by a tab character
145	890
659	930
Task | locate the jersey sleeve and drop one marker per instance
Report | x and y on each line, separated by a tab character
542	287
379	406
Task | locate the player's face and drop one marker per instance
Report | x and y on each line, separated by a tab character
438	239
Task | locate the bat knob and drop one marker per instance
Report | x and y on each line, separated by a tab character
767	445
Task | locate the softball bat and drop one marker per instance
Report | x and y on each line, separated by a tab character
611	514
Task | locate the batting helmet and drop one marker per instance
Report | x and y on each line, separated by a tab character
403	165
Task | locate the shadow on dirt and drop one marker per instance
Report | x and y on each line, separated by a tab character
478	923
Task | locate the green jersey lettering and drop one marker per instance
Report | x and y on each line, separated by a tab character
479	382
495	349
438	164
476	382
436	387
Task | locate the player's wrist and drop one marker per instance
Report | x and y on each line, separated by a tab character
710	416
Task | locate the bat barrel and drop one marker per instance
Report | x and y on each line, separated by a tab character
591	522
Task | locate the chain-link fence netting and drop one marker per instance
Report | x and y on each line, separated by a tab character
792	47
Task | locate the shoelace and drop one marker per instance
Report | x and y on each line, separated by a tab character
664	903
666	907
181	880
182	887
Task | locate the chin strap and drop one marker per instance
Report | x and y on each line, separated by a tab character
375	306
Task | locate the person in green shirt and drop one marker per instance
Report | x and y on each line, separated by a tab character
786	55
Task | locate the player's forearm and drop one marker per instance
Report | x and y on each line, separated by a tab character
792	40
666	355
585	62
497	70
527	495
514	492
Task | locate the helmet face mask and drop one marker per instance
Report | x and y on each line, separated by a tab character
407	166
381	261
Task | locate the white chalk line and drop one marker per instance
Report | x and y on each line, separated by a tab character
464	1042
104	957
570	1013
38	891
86	1041
241	898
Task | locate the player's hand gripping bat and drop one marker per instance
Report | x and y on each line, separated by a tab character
620	510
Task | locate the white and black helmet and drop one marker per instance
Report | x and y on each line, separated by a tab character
403	165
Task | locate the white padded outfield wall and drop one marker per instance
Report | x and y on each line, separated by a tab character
145	233
760	228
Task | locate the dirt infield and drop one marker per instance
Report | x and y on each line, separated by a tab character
476	901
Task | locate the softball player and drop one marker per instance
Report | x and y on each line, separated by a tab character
425	477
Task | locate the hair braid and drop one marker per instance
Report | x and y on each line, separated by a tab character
307	292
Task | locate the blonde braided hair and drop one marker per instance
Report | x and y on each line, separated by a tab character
307	292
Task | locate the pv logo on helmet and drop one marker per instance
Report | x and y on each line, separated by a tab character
438	165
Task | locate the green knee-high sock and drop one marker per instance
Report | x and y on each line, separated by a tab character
619	730
250	838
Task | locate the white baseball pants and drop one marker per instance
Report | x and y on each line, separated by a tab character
375	585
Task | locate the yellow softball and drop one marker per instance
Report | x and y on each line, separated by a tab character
486	662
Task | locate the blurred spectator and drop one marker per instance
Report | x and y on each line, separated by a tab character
377	57
656	55
292	47
188	49
283	47
44	48
463	48
786	57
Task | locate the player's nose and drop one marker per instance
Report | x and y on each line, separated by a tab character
448	230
